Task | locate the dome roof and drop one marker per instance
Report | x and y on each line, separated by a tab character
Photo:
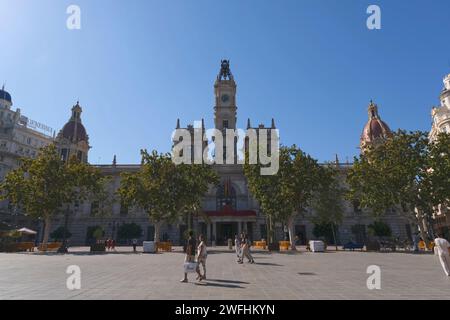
375	129
5	95
74	131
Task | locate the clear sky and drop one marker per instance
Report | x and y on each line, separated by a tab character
138	65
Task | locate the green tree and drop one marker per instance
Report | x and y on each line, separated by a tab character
41	186
328	202
289	192
379	229
324	230
195	182
98	233
407	173
129	231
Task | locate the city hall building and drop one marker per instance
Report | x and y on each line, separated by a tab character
228	208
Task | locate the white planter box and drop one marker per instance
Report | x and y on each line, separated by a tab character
317	246
149	247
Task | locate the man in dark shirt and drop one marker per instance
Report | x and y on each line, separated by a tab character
190	253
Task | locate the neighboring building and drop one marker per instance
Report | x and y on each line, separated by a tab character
19	137
441	123
441	115
229	207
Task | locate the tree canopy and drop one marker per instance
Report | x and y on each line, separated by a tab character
41	186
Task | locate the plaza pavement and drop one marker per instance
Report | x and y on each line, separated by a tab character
125	275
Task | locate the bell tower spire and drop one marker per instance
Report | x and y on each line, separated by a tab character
225	98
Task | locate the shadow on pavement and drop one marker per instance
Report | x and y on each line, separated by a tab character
307	273
210	284
228	281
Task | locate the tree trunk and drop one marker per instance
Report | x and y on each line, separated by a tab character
334	236
270	231
292	232
189	221
157	229
46	233
423	232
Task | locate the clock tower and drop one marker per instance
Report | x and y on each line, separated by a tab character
225	95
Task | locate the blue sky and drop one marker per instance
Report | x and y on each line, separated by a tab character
138	65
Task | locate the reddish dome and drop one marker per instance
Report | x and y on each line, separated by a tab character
74	131
375	129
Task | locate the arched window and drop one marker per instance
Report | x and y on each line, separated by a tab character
225	197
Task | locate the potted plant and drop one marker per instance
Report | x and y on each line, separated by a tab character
377	231
99	245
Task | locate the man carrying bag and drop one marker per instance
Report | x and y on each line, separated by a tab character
190	266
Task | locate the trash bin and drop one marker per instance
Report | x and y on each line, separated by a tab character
149	247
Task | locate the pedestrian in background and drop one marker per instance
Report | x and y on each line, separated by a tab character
190	254
441	246
246	250
201	258
237	246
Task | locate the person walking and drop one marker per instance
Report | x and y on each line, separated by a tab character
134	245
201	258
441	246
237	246
190	253
246	251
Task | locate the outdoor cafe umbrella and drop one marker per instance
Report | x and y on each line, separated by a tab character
27	231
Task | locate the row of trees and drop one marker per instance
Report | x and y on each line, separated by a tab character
47	186
406	173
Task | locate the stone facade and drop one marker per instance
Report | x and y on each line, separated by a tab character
441	123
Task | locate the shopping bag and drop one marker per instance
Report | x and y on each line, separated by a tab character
190	267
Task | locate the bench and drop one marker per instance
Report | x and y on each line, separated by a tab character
352	246
284	245
51	246
164	246
260	245
25	246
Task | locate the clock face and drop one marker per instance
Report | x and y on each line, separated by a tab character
225	98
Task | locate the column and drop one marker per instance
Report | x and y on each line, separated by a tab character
214	232
239	228
208	232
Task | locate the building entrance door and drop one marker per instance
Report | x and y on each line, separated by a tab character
225	231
